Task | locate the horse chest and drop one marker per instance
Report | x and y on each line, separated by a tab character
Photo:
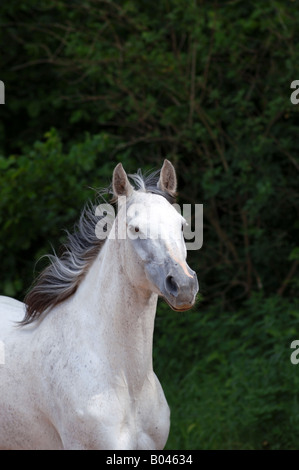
120	418
144	420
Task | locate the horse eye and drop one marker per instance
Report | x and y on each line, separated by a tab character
182	227
136	229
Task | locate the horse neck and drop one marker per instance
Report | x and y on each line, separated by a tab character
120	316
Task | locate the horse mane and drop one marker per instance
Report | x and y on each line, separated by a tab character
60	280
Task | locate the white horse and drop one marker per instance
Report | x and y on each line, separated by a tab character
78	372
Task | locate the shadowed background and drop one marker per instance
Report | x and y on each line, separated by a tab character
205	84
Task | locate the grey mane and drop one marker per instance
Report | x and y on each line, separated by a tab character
64	274
149	183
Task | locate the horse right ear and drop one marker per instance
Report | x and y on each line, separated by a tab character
120	183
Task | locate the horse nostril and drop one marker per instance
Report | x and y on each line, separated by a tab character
172	286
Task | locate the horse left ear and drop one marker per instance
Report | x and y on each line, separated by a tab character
168	180
120	183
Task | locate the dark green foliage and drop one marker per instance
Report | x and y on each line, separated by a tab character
42	193
207	85
228	376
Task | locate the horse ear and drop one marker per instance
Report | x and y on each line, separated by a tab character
120	183
168	180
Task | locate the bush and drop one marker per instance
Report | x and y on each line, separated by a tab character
228	376
42	193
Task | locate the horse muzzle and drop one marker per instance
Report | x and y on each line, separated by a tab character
180	289
177	284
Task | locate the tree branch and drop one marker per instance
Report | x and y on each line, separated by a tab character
288	277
